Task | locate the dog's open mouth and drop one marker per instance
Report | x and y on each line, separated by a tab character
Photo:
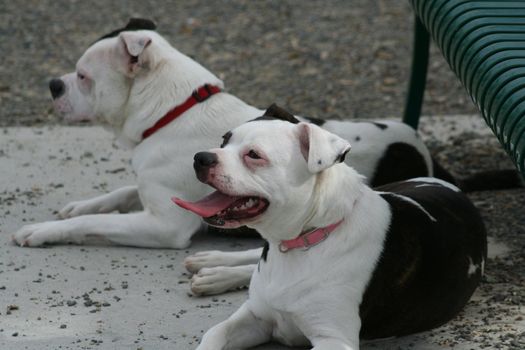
219	209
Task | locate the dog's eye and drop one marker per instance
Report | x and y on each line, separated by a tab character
81	76
253	155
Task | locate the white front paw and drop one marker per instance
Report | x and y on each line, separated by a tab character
37	234
216	280
211	258
90	206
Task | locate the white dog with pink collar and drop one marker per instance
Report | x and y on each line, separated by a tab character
399	260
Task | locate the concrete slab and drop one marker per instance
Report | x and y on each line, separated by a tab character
92	297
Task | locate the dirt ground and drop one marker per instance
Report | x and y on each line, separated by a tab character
334	58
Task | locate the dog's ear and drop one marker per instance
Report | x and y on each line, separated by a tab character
134	51
274	111
320	148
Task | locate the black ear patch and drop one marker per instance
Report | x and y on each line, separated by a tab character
276	112
133	24
226	138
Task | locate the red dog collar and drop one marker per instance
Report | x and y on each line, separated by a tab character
309	239
198	96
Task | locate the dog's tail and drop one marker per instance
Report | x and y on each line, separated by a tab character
483	181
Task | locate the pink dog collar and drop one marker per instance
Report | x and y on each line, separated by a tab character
308	239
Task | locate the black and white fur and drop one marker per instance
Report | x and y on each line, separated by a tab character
406	258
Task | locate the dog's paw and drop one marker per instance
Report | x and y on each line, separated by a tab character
211	258
86	207
36	235
216	280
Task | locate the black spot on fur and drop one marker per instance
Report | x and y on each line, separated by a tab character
401	161
226	138
357	138
264	255
319	161
275	112
133	24
380	125
421	280
266	248
316	121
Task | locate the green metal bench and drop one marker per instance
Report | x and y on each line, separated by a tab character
484	44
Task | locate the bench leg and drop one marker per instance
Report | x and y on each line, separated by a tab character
418	75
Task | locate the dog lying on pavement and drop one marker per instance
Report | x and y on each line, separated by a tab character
167	106
343	261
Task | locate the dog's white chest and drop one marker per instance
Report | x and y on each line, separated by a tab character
285	329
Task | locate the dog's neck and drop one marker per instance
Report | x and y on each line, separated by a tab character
329	202
174	77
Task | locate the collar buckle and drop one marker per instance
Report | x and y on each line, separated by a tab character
283	248
207	93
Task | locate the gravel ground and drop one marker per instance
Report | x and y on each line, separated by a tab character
334	58
495	317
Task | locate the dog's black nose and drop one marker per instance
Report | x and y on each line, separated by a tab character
204	160
57	88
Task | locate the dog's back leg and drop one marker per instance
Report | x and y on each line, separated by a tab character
123	200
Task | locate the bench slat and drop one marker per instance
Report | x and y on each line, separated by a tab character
484	44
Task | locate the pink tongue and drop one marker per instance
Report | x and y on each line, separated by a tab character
209	205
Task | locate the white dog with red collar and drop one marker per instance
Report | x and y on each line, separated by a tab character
400	260
168	107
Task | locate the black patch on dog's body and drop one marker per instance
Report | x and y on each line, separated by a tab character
266	248
442	173
422	277
381	126
264	255
133	24
316	121
401	161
